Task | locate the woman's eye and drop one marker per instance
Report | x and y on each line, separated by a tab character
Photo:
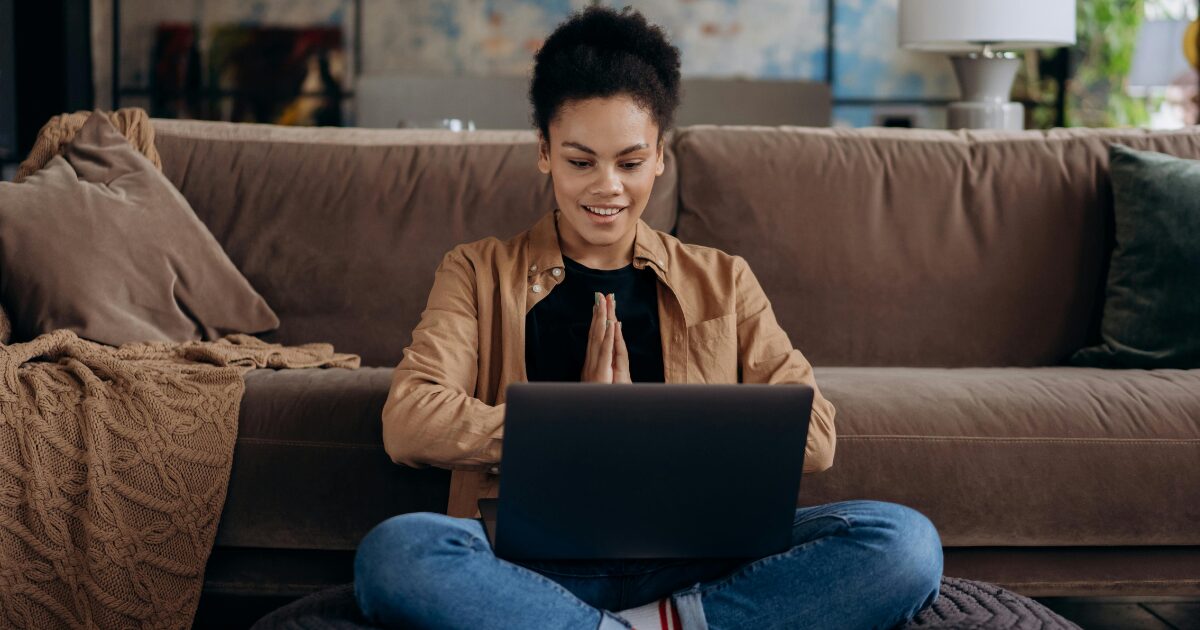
578	163
632	165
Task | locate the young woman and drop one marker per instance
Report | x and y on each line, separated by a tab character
552	304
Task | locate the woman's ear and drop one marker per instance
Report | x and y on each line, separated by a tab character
543	154
659	165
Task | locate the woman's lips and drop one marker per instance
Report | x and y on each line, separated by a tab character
602	219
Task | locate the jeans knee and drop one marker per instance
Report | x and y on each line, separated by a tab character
913	553
399	537
390	562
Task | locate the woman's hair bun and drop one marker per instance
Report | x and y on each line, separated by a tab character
601	52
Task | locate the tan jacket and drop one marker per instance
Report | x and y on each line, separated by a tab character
446	405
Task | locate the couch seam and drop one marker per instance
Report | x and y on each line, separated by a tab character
1094	582
1019	440
347	445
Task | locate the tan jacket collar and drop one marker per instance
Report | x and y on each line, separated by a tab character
545	253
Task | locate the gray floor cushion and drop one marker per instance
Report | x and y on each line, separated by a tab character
969	604
961	604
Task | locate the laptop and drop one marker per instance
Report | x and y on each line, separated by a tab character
648	470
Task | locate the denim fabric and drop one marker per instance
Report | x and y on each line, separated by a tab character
852	564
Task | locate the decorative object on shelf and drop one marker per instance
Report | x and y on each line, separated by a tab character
974	31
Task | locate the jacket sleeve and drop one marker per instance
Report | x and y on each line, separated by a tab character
430	417
765	355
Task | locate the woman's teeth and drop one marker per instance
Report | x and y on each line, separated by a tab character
604	212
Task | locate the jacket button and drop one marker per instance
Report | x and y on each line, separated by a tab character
537	288
495	470
556	272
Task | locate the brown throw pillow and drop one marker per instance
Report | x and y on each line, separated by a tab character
99	242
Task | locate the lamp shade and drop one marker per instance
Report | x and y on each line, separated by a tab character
1160	57
964	25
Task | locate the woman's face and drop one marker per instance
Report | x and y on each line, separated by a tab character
602	155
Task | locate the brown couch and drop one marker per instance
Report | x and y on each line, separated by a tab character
938	281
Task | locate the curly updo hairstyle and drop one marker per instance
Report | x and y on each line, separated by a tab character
601	52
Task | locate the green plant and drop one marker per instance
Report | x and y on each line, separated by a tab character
1106	34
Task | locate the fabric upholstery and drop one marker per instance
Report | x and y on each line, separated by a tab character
331	609
876	248
309	470
341	229
98	242
1081	571
1152	299
1021	456
993	456
918	248
58	132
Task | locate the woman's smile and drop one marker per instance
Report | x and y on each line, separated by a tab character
603	214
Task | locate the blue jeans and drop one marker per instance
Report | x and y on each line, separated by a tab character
852	564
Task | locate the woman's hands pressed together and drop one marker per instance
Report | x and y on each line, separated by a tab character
607	358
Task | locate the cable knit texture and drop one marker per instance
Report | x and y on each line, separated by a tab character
57	133
114	464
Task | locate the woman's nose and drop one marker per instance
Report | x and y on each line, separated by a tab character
607	184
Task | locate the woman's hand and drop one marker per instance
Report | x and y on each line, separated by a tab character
607	358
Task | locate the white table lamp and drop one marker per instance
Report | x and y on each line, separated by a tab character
973	30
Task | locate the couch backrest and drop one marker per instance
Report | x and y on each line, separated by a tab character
902	247
341	229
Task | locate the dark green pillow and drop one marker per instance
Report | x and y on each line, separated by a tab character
1152	301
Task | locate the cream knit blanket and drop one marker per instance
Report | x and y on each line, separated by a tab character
114	464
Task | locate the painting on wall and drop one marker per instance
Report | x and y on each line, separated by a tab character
279	75
278	61
458	37
759	39
878	84
869	62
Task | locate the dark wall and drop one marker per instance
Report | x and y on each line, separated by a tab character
52	59
8	83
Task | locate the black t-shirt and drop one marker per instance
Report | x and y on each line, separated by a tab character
556	328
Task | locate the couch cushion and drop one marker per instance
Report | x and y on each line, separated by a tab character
341	229
98	242
1152	299
993	456
916	247
309	470
1021	456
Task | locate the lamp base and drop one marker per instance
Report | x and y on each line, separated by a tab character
985	115
985	80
